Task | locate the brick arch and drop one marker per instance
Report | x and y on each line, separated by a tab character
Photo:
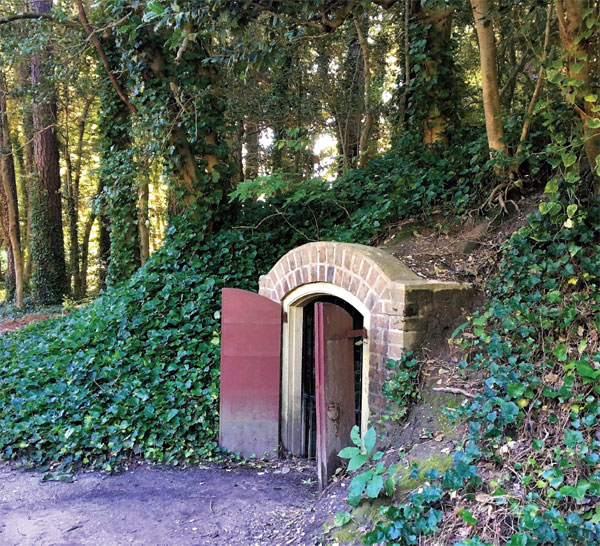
368	273
404	310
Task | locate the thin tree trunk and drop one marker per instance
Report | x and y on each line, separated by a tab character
143	220
85	242
365	135
73	179
570	25
489	75
103	251
538	84
252	149
10	278
72	219
10	194
29	169
85	251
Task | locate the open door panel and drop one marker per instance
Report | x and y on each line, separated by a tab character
250	373
334	382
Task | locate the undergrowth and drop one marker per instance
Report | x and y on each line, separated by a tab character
528	473
133	373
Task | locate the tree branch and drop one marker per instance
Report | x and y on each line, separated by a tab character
69	23
513	75
102	54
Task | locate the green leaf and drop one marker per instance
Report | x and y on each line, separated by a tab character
569	159
575	492
594	123
374	487
515	390
355	436
571	210
560	352
349	452
467	516
551	187
172	413
356	462
341	518
573	437
370	439
357	485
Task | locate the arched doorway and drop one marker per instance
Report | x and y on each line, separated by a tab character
267	339
297	356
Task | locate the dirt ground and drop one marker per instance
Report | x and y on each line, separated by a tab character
12	325
209	504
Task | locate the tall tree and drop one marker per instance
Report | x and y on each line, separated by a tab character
47	245
9	185
489	74
577	60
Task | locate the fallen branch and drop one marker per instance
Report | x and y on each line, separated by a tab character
454	390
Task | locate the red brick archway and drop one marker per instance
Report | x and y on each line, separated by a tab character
404	310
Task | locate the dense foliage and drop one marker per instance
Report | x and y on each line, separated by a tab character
532	450
194	130
133	373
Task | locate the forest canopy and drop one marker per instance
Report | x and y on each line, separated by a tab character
153	152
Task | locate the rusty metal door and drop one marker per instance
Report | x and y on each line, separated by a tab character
334	382
250	373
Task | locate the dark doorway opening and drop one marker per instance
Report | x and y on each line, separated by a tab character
309	414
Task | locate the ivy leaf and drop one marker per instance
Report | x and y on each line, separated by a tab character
573	437
560	352
515	390
467	517
594	123
569	159
575	492
172	413
341	518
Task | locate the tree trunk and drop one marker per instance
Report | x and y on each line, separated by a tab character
538	85
85	243
119	172
143	220
439	21
252	150
489	75
29	170
570	25
47	247
73	228
85	252
103	251
365	134
10	278
9	184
